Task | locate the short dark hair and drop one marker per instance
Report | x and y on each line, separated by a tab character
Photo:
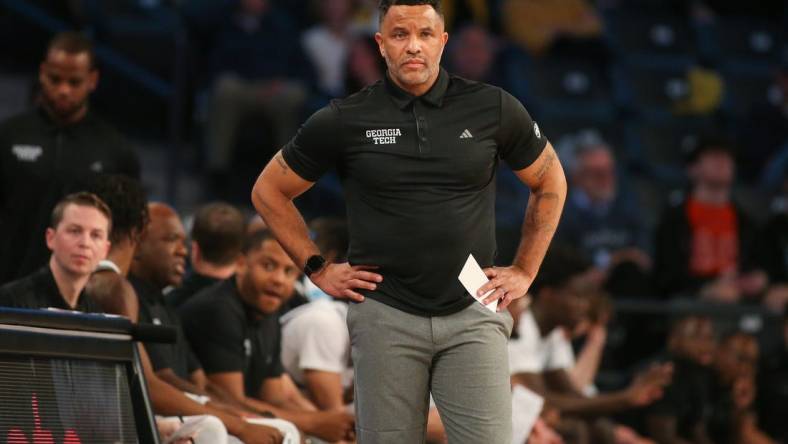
255	239
73	42
126	200
384	5
710	143
82	199
219	230
560	265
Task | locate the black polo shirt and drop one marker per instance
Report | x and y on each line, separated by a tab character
40	162
177	356
39	290
419	179
229	336
189	287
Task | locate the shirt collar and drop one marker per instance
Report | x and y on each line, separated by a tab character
434	96
45	283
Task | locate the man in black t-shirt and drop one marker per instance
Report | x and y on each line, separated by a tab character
417	155
234	328
78	238
51	150
159	262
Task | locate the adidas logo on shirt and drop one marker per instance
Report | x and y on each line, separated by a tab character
466	135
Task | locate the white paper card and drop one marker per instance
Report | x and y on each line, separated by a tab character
526	408
472	278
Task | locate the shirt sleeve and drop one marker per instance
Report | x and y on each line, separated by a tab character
520	141
560	355
315	147
524	356
325	344
217	339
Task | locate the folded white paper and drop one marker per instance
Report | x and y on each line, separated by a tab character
472	278
526	408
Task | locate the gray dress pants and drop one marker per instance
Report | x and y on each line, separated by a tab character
400	358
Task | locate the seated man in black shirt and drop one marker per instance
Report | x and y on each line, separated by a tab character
78	238
158	263
216	239
234	328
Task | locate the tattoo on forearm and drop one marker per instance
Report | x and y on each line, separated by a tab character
541	212
281	161
545	166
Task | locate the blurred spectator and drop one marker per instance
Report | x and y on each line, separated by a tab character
52	150
682	415
604	223
256	67
773	387
541	357
473	54
764	132
234	327
704	242
364	65
216	240
327	44
554	26
733	418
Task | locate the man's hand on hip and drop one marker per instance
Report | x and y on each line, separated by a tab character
341	280
508	283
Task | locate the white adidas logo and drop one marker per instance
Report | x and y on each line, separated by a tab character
466	135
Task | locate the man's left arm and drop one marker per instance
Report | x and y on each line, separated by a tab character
545	177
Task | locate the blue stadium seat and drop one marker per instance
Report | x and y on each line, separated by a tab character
653	92
570	88
747	45
656	40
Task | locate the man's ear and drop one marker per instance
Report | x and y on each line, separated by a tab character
379	40
196	254
50	238
93	78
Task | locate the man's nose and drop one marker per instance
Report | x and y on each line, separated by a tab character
414	46
63	89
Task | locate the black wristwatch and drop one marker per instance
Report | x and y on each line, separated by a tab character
314	264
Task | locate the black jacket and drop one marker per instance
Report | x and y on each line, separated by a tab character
40	162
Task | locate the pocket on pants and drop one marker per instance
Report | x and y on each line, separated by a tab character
503	319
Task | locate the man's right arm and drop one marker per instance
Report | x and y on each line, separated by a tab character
273	196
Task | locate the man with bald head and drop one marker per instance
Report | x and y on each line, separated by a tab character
158	263
52	150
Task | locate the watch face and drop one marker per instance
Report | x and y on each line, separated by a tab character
314	264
